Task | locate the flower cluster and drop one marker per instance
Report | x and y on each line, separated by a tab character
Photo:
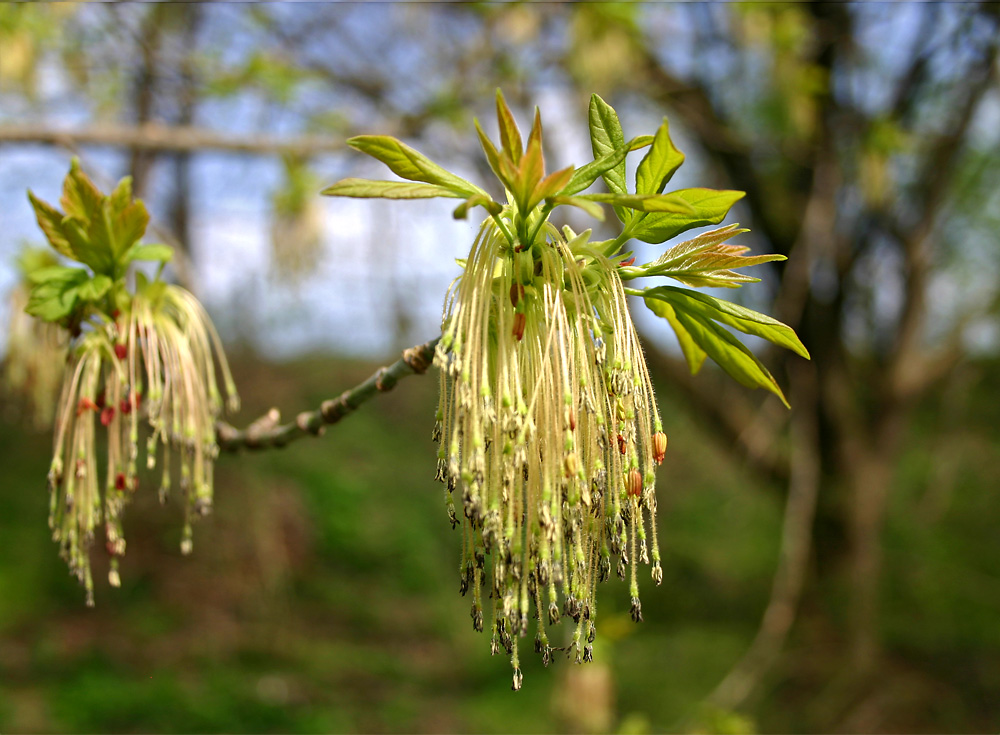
547	427
548	434
156	363
145	356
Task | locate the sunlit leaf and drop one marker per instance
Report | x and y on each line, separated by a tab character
659	164
369	189
410	164
710	207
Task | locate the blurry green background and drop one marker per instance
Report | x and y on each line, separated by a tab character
829	569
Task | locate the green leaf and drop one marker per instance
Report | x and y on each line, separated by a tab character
730	354
94	288
591	208
694	355
645	202
155	252
550	185
410	164
659	164
369	189
529	174
50	221
81	199
736	316
606	136
510	136
710	207
129	225
479	200
55	294
492	155
587	175
57	273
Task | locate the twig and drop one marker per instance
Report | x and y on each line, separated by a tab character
267	432
157	137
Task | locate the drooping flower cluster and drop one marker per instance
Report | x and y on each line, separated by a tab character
140	355
154	364
548	434
547	428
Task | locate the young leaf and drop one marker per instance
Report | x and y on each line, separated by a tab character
730	354
479	200
129	223
529	174
550	186
50	221
588	174
81	199
659	164
591	208
510	136
155	252
606	136
694	355
492	155
702	242
710	207
739	317
410	164
57	274
94	288
645	202
368	189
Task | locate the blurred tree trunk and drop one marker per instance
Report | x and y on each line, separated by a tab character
864	395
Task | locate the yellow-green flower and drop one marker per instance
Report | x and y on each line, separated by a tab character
547	427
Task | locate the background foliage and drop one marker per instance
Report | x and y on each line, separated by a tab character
828	569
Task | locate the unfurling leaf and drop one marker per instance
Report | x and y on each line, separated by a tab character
659	164
369	189
410	164
710	207
708	262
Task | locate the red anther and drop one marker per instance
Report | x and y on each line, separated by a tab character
120	481
630	261
110	547
107	415
634	483
516	293
621	444
125	406
572	419
100	399
115	314
85	404
659	446
121	351
519	321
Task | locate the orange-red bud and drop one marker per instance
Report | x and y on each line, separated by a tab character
107	415
634	483
621	444
121	351
85	404
630	261
659	446
519	322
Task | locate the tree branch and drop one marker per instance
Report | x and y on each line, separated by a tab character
266	431
156	137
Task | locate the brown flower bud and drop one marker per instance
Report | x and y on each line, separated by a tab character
634	483
659	446
516	293
519	321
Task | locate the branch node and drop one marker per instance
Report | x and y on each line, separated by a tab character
419	358
310	422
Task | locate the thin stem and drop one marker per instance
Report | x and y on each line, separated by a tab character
266	432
